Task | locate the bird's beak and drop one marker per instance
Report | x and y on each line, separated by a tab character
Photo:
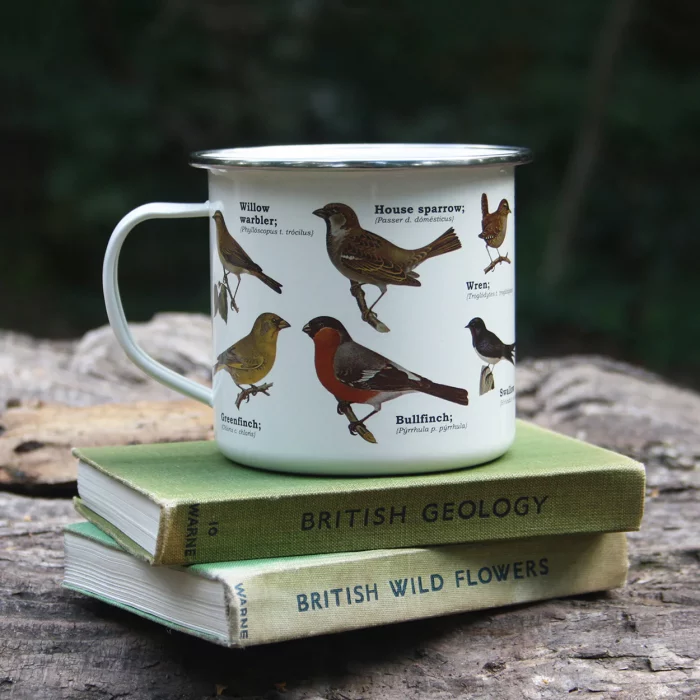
283	324
320	212
307	329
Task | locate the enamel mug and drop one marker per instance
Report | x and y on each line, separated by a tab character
362	305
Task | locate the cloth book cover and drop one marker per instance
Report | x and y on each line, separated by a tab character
184	503
255	602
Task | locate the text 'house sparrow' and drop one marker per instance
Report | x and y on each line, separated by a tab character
366	258
353	373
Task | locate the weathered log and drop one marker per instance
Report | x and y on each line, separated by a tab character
636	643
617	406
95	369
35	447
66	393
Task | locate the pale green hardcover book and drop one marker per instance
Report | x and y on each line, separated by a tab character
184	503
255	602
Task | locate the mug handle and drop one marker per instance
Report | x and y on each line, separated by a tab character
113	302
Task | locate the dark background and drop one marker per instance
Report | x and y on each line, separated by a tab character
103	101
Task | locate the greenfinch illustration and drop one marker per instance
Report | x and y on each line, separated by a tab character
250	360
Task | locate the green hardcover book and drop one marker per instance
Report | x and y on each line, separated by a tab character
184	503
255	602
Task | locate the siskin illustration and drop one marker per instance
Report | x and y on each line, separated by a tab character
493	230
250	359
366	258
356	374
491	349
236	261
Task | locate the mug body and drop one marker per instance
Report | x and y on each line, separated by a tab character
363	307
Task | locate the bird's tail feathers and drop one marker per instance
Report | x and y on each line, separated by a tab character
444	244
509	352
484	205
442	391
272	284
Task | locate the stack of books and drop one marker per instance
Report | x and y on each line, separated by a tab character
179	534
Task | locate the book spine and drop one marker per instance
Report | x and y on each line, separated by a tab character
168	514
609	500
395	586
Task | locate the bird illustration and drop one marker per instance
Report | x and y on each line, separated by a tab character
493	225
353	373
366	258
489	347
236	261
250	359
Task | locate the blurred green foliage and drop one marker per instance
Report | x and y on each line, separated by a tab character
105	100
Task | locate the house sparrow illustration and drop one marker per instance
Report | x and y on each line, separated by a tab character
236	261
489	347
250	359
356	374
493	226
366	258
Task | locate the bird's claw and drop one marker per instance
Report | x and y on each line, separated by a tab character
252	390
232	296
372	319
354	425
342	407
255	390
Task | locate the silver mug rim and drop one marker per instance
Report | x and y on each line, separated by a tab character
362	156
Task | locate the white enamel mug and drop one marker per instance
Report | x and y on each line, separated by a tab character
363	305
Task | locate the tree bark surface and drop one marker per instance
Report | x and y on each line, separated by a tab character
638	642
